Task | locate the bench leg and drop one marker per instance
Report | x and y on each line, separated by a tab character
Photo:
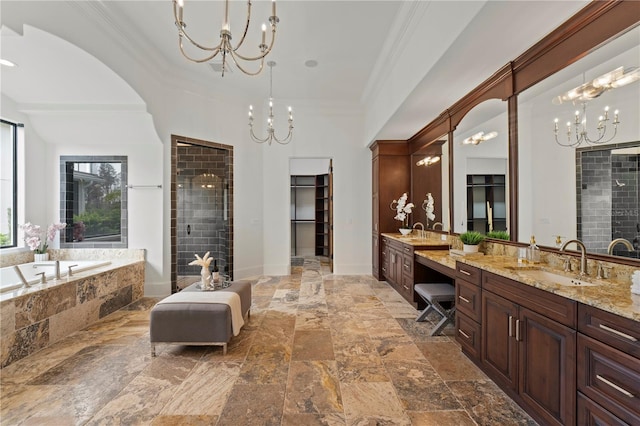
153	350
224	349
423	315
447	317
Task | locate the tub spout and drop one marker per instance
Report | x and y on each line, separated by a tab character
22	278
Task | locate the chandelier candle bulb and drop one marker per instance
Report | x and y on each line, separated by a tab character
264	32
273	7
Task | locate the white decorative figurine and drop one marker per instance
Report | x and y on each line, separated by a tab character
635	282
205	276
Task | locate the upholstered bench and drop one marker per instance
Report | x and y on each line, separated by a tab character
433	295
195	317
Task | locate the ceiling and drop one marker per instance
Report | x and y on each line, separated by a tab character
449	47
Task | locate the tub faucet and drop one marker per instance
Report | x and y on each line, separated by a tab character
437	223
22	278
56	268
70	271
583	254
422	230
617	241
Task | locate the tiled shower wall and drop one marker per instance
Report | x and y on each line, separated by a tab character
202	209
608	198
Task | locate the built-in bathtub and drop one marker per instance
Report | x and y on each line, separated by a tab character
34	317
9	279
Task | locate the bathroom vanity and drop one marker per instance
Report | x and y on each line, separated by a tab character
568	354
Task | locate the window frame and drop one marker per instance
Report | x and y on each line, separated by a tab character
14	201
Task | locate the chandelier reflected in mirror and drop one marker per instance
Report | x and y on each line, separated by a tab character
479	138
271	135
225	47
577	132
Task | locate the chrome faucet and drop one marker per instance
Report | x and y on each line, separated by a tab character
437	223
422	230
583	254
617	241
56	267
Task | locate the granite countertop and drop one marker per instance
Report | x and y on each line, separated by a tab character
609	295
415	241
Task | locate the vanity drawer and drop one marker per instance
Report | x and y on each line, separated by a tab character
469	299
610	378
407	264
468	335
468	273
621	333
590	413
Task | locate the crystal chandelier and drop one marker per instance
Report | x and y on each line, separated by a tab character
577	132
225	47
271	136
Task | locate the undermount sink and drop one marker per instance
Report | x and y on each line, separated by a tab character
542	275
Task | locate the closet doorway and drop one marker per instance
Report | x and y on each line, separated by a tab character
311	201
201	207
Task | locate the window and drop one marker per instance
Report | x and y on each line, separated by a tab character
94	200
8	183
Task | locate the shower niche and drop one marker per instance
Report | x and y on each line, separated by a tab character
201	206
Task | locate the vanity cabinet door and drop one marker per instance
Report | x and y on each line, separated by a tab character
499	346
547	367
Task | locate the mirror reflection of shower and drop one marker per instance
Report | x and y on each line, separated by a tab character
202	208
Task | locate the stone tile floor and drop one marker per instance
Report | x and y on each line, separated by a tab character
318	350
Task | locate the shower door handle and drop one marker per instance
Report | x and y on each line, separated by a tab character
188	229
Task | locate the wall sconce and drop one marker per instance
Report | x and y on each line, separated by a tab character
479	138
427	161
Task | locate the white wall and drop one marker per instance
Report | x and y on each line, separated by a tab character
331	131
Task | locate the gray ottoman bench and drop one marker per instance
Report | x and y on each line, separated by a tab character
195	317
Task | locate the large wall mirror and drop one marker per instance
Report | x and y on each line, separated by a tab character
93	200
570	187
480	180
430	175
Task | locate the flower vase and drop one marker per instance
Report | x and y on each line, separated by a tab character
40	257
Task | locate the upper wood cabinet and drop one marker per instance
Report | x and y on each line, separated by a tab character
391	177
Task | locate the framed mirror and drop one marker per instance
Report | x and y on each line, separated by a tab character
561	193
93	201
480	181
430	176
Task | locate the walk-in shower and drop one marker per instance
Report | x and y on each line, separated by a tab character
202	207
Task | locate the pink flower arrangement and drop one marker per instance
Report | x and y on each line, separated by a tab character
34	238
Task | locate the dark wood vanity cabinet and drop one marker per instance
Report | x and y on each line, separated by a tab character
468	309
398	267
526	351
608	368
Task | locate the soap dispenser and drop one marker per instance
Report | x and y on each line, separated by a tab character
533	251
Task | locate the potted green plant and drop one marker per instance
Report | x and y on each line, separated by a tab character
471	240
498	235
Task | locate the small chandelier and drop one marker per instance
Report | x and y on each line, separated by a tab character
578	134
271	136
582	94
479	138
225	47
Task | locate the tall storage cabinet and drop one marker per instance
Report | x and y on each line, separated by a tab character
391	176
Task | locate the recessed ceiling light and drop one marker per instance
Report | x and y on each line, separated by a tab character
311	63
7	63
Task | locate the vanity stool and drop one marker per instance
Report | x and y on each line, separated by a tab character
433	295
194	317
